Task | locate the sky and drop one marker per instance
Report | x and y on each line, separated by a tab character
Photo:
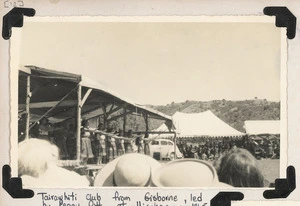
160	63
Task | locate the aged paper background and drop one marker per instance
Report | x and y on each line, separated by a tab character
165	8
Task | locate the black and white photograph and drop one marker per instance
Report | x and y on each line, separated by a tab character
149	102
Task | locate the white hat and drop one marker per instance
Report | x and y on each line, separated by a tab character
186	173
131	170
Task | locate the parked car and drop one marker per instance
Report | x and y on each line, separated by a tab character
164	149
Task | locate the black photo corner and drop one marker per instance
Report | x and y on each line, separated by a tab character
13	185
284	18
14	18
283	187
225	198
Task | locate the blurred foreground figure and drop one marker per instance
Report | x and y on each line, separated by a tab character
37	164
240	169
128	170
188	172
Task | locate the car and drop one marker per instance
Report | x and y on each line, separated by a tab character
164	149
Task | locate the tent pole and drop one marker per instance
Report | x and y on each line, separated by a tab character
78	129
27	107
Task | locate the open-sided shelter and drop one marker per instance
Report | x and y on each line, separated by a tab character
61	96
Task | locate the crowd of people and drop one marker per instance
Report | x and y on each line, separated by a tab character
98	145
237	168
234	160
213	148
101	145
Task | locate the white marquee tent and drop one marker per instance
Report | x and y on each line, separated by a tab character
200	124
257	127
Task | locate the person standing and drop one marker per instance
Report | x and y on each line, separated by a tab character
86	147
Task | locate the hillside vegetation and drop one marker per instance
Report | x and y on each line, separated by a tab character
233	113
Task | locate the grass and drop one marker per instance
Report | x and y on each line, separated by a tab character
270	169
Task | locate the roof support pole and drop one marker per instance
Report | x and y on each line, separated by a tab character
146	140
124	119
105	122
78	119
27	107
175	146
146	118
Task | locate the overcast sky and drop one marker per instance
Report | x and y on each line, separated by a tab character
158	63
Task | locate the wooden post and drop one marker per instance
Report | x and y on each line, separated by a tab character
124	120
105	123
78	129
146	140
147	124
175	145
27	107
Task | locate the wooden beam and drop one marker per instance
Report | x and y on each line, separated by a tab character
85	96
78	128
38	105
96	116
53	72
112	106
118	116
44	115
152	132
149	116
53	77
116	109
28	95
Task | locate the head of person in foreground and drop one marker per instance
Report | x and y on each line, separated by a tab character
38	166
239	168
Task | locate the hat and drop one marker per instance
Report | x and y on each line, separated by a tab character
129	170
186	173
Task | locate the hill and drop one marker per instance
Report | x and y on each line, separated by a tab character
233	113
